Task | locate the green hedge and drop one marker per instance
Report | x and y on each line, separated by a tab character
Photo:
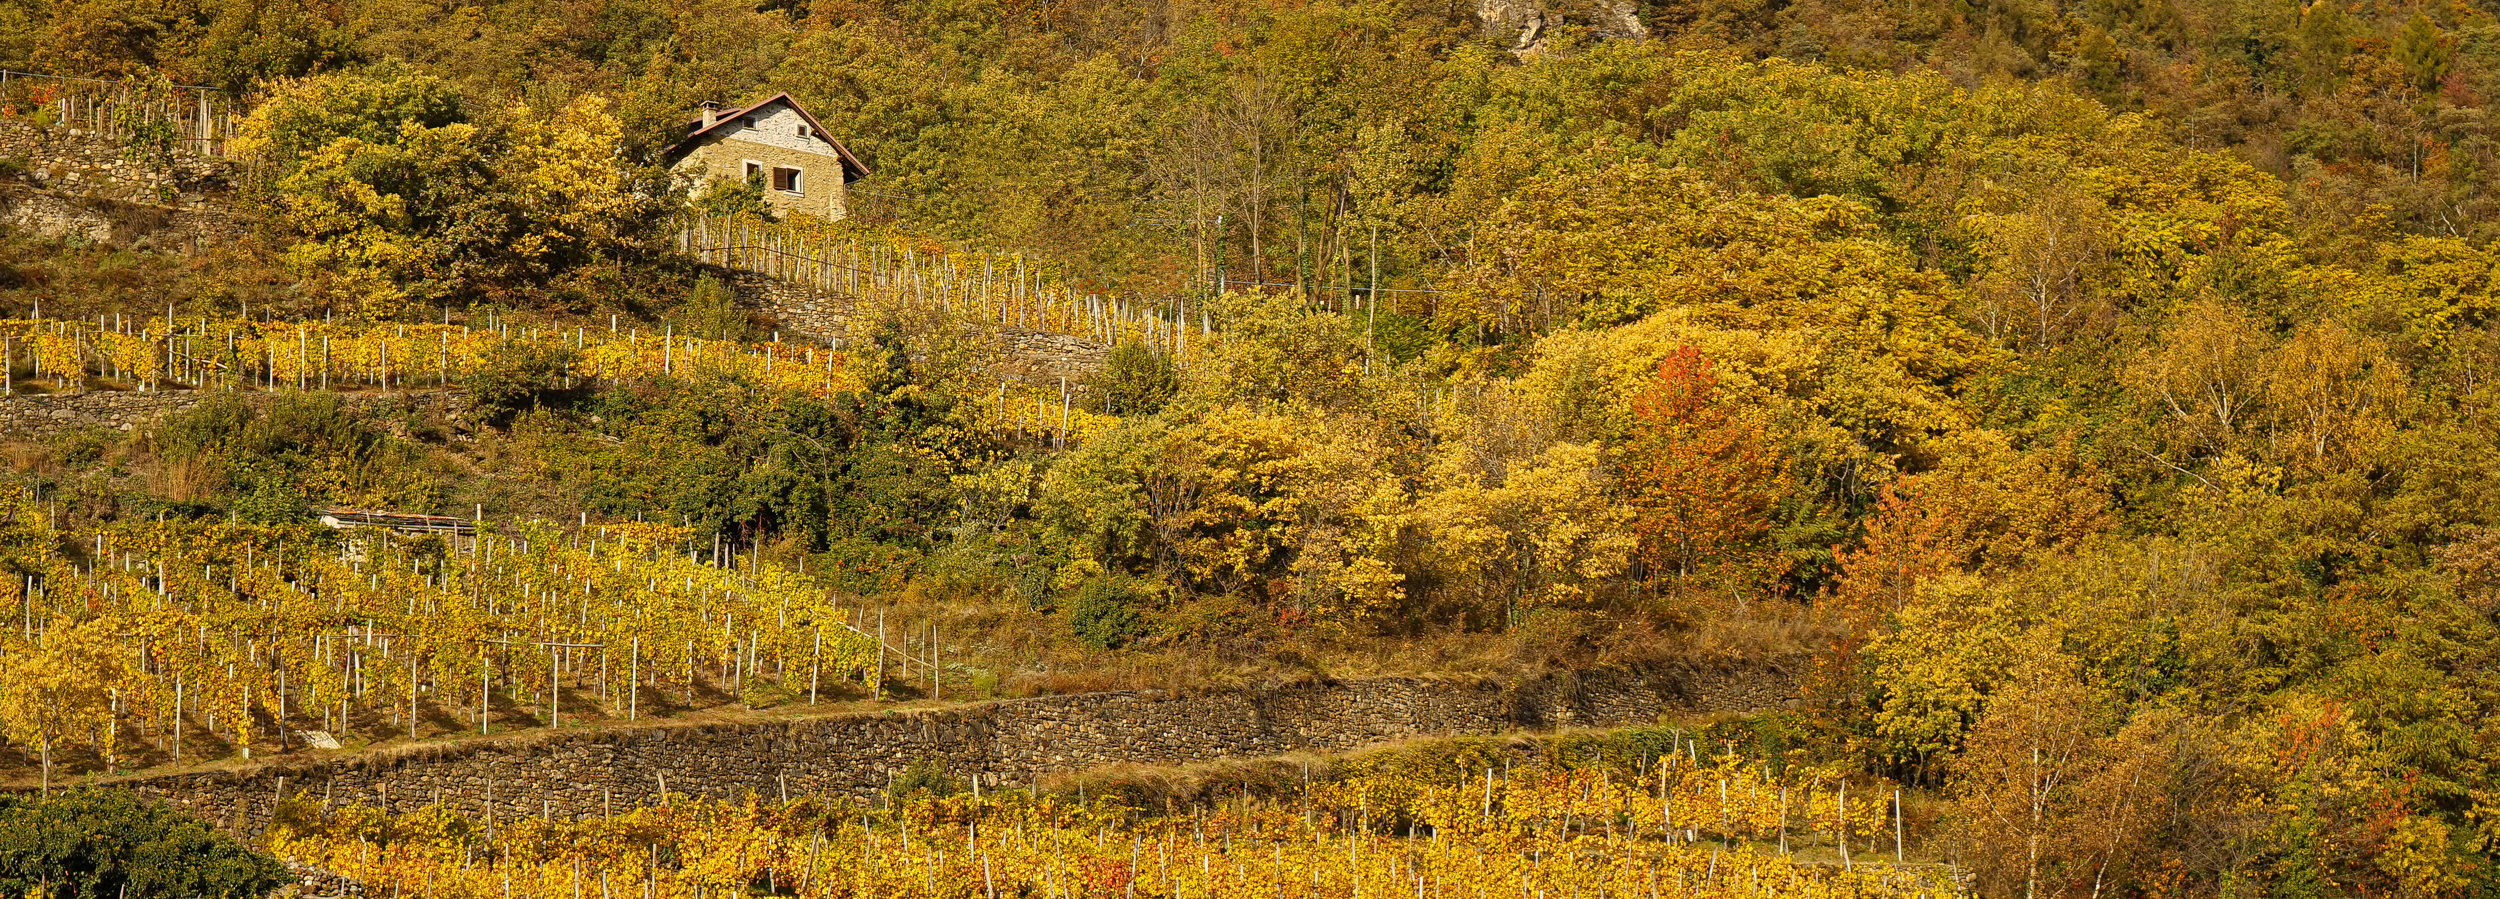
109	844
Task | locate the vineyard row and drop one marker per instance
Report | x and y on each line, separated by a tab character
999	289
1678	828
247	632
231	354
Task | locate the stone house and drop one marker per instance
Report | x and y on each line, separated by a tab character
774	143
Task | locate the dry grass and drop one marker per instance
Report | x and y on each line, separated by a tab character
1285	775
997	647
26	456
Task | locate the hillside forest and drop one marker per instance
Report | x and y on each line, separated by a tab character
2093	402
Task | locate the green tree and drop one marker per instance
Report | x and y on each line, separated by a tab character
111	38
251	43
395	199
376	108
1930	679
2424	53
381	224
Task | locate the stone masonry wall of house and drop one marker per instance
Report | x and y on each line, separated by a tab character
726	159
50	415
1008	743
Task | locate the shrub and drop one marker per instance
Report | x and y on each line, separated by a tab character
303	448
105	844
272	499
1133	381
924	777
1399	338
84	448
723	198
517	377
1104	613
203	429
711	312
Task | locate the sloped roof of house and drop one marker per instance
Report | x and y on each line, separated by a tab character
697	133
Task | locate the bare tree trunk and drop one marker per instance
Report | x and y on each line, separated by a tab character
2031	839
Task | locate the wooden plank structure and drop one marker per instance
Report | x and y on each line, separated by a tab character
402	522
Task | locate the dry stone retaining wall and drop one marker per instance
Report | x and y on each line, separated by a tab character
71	183
1034	357
802	309
72	159
1011	742
121	223
1046	359
47	415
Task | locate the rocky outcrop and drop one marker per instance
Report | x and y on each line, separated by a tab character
1527	24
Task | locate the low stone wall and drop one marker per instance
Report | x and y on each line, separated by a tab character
800	309
1039	358
1045	359
71	183
117	222
77	161
1011	742
48	415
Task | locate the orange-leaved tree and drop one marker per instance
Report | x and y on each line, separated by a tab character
1703	482
1906	541
1986	506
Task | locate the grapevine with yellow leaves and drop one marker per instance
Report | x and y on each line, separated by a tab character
373	636
1538	837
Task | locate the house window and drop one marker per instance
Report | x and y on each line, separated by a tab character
803	132
755	171
789	179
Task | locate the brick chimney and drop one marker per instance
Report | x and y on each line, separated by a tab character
711	113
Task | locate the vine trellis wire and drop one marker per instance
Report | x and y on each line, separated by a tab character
999	288
199	119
